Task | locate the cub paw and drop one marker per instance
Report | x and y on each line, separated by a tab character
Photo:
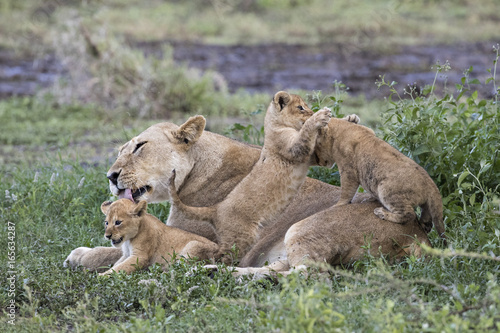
322	117
380	212
352	118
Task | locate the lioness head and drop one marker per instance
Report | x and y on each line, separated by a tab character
123	218
146	161
289	110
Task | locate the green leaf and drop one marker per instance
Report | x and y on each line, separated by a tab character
238	126
484	167
422	149
462	177
472	199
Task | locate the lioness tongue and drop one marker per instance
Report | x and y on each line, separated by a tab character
126	193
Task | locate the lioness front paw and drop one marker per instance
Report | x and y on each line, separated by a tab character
322	117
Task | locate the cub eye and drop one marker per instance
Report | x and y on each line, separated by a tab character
300	107
106	223
118	222
139	145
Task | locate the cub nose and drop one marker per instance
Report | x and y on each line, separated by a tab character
108	236
113	177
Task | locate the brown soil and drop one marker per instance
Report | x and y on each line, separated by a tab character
269	68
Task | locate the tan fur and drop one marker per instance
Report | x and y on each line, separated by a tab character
291	129
145	240
325	237
94	259
395	180
208	168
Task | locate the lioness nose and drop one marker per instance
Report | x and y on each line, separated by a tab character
113	177
108	236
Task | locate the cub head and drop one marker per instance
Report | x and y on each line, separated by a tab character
145	162
123	218
289	110
346	130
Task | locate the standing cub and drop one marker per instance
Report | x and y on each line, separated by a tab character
291	130
395	180
145	240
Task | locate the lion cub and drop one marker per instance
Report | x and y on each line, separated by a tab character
398	182
291	129
145	240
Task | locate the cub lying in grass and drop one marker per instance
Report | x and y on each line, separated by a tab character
145	240
291	130
395	180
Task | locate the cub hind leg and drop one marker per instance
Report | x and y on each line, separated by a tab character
201	250
425	220
397	213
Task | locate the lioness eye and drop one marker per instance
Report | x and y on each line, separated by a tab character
301	108
139	145
118	222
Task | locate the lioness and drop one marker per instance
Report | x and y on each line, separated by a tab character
290	129
208	166
398	182
326	237
145	240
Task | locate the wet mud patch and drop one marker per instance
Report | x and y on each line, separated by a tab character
273	67
269	68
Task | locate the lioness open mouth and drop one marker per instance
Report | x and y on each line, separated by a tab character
117	241
133	195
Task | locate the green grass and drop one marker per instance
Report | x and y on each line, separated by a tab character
54	154
54	205
377	24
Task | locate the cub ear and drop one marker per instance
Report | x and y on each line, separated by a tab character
281	98
191	130
105	207
140	209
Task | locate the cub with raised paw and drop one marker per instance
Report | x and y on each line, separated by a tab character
291	130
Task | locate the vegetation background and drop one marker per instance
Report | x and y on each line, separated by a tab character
108	84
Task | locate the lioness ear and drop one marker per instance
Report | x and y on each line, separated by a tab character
191	130
281	98
140	208
105	207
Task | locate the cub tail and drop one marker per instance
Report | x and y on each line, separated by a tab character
432	213
195	213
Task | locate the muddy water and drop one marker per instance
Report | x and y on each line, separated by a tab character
269	68
23	76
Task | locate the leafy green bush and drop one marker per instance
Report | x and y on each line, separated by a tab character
452	136
105	71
